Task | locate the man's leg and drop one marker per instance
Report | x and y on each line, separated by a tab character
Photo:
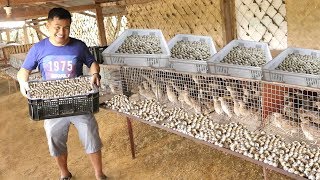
57	135
89	135
96	161
62	164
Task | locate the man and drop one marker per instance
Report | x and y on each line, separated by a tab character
60	56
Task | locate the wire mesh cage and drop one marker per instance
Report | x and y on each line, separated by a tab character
224	99
291	111
265	121
111	83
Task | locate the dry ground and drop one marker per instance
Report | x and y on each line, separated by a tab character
160	155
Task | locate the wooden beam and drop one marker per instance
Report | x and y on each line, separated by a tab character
101	29
228	11
115	14
87	14
28	24
52	5
20	2
105	1
114	11
123	2
35	12
81	8
108	4
35	20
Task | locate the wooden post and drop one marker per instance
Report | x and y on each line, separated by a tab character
101	29
25	35
133	152
228	12
8	35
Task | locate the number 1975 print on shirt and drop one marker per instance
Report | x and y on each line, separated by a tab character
56	67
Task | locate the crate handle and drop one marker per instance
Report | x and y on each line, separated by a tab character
222	70
312	82
276	77
152	61
117	60
296	52
256	74
201	68
185	38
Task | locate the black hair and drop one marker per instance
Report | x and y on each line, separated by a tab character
60	13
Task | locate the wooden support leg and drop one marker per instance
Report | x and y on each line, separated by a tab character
265	173
131	138
9	86
15	86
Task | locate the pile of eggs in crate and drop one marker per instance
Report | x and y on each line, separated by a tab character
193	50
299	63
60	88
140	44
245	56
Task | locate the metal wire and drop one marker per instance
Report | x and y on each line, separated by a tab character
216	96
291	111
277	108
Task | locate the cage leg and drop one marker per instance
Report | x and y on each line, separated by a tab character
265	173
9	86
131	138
15	86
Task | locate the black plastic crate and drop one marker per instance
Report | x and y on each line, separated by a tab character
41	109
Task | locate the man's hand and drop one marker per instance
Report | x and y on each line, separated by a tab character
95	79
24	87
23	76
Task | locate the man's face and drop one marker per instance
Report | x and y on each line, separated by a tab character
59	30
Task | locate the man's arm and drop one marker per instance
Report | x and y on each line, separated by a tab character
23	77
94	71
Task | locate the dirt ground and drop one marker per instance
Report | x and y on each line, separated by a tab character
159	154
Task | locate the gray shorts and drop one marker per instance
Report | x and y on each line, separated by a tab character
57	133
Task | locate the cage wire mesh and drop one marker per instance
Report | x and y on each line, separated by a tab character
110	82
111	79
263	21
286	110
224	99
291	111
213	108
